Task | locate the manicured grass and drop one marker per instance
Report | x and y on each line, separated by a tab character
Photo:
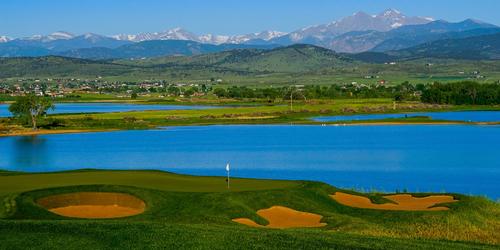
164	181
196	212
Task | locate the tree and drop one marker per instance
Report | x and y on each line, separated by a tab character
133	96
220	92
30	108
189	92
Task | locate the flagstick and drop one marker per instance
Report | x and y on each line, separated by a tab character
227	170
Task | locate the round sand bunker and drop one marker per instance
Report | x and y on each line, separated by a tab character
93	205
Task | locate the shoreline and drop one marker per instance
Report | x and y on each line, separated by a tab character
78	131
49	132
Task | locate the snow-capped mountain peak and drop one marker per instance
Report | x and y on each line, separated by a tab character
91	36
61	35
4	39
269	34
359	21
124	37
182	34
391	12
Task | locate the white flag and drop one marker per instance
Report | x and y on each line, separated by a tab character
227	167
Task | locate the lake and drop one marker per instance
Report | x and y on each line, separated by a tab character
63	108
467	116
451	158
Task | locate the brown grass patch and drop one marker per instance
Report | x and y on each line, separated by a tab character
403	202
283	217
93	205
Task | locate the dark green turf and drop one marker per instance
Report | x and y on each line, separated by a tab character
196	212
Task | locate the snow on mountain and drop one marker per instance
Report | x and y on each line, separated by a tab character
125	37
92	37
237	39
59	35
181	34
214	39
173	34
359	21
4	39
177	34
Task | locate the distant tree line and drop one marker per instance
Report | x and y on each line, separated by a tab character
462	93
400	92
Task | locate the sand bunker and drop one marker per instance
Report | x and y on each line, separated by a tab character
404	202
283	217
93	205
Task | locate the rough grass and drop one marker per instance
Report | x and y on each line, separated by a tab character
151	235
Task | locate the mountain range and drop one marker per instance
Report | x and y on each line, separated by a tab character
387	31
157	48
294	61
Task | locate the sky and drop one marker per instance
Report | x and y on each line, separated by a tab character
20	18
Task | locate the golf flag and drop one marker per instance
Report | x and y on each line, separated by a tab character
227	180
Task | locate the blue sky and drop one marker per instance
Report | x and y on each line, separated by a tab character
108	17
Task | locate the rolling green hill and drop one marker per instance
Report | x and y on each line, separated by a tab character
157	48
296	64
58	66
291	59
485	47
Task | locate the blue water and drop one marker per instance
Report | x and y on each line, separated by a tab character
451	158
63	108
468	116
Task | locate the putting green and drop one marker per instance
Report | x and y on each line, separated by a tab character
164	181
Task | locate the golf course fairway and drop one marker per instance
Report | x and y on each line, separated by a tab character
180	211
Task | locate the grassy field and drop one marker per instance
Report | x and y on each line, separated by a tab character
299	65
196	212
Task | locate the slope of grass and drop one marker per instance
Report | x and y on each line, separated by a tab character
140	235
179	206
297	64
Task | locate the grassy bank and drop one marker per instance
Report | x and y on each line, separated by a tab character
180	206
299	113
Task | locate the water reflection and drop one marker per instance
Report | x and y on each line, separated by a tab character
29	152
455	158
